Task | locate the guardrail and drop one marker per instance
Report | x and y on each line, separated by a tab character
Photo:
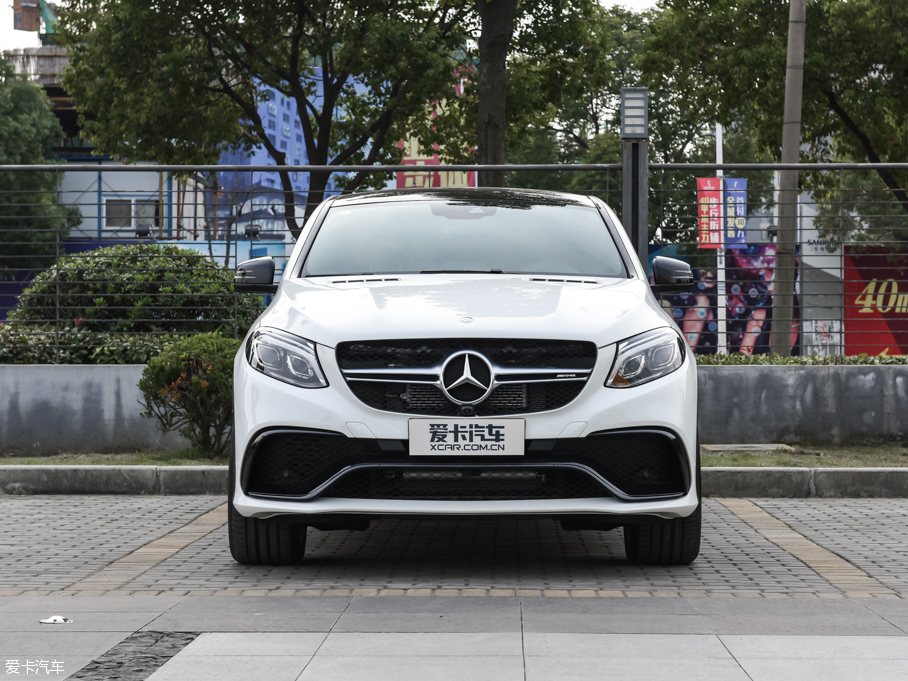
60	290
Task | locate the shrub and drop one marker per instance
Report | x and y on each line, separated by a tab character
188	387
137	288
21	344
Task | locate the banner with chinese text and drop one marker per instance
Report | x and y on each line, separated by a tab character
735	212
709	197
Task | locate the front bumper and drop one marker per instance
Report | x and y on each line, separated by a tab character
668	404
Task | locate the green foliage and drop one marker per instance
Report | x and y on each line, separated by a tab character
585	129
188	388
728	58
30	217
736	358
136	288
24	344
181	80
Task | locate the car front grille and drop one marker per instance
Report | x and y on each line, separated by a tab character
298	464
422	360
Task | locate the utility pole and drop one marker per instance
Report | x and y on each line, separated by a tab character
635	168
784	285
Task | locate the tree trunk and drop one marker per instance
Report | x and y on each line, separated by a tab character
497	19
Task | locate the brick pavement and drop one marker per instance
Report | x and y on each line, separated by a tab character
56	543
492	554
50	542
871	534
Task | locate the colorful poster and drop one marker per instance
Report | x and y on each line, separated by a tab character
709	209
748	314
735	212
876	301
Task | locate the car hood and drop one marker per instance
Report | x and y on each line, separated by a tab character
464	306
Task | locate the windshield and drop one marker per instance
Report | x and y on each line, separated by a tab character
457	236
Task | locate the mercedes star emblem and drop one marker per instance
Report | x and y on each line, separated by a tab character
466	377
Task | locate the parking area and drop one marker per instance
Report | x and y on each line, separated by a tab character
783	589
177	545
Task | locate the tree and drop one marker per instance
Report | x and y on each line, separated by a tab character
585	124
180	81
30	218
728	57
531	54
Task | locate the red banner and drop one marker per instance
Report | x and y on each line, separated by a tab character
709	202
876	302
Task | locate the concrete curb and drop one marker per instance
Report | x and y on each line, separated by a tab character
113	479
786	483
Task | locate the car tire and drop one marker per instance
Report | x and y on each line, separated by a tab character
261	542
667	542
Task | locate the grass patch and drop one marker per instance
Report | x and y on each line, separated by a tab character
880	455
177	457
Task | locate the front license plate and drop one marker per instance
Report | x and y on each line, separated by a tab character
458	437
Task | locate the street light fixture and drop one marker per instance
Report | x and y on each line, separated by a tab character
634	113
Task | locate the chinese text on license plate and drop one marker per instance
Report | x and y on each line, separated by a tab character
496	437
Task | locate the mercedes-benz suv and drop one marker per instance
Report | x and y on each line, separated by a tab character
464	352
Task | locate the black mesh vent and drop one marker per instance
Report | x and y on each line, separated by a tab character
466	484
535	354
428	400
296	463
639	464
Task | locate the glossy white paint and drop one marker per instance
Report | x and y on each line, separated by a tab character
432	305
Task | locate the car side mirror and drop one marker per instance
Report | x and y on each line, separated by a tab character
255	276
671	276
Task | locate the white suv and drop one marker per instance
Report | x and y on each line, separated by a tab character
464	352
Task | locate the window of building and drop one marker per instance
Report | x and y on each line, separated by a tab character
286	131
299	138
118	213
286	118
283	145
271	137
296	124
299	150
146	213
271	125
272	109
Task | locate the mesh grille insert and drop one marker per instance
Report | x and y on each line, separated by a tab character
537	354
296	463
466	484
639	464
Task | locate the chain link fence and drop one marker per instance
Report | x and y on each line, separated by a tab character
105	263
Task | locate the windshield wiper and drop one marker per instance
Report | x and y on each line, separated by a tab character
463	272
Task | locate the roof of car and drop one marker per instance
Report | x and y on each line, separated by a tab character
483	194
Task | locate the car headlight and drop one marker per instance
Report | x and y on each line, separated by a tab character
286	357
646	357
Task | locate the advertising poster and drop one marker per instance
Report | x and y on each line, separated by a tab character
876	302
709	197
735	212
748	313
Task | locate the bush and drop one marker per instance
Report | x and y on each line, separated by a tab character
137	288
188	387
737	358
20	344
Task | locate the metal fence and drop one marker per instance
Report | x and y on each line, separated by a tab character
105	262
